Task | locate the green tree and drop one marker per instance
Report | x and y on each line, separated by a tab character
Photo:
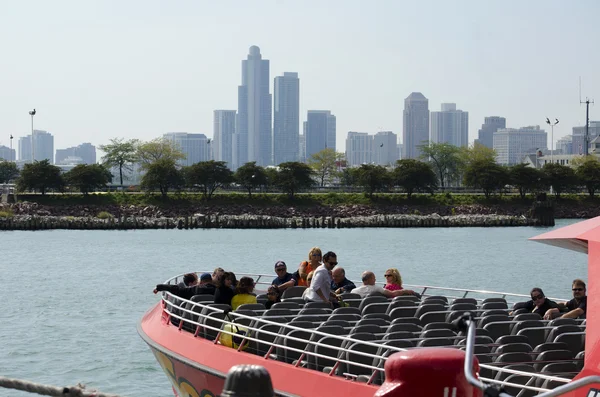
526	179
562	178
163	175
372	178
349	177
88	177
486	175
293	177
41	176
414	175
588	174
158	149
208	176
325	165
476	152
251	176
120	154
8	171
445	160
271	173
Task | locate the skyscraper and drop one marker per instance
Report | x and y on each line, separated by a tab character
450	126
252	139
385	148
286	118
195	147
223	131
486	133
7	153
86	152
359	148
43	147
578	139
416	125
512	145
320	131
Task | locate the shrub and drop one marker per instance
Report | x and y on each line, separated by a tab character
6	213
105	215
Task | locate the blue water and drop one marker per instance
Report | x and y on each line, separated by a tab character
71	299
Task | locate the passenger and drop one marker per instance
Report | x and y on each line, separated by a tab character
393	282
284	280
540	304
205	286
340	283
576	307
189	280
320	286
244	293
216	276
273	296
224	292
369	287
308	283
314	261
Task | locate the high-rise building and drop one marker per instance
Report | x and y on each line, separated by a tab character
385	148
302	147
359	148
565	145
286	118
320	127
86	152
415	125
195	147
223	131
486	133
43	147
252	139
450	126
400	148
7	153
512	145
579	136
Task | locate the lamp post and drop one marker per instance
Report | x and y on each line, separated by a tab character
551	137
11	154
32	113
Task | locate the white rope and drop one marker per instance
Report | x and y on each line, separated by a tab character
48	390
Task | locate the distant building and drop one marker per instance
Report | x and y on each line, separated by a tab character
7	153
512	145
385	148
302	147
223	131
579	136
196	147
86	152
43	147
416	125
359	148
486	133
400	148
286	118
319	130
450	126
565	145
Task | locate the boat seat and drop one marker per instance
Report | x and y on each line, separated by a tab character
463	306
401	303
550	346
478	349
520	311
273	312
434	317
501	375
399	335
373	321
252	306
525	324
293	292
381	316
262	296
494	305
404	327
435	297
440	325
425	308
536	336
579	360
498	329
287	305
520	305
345	317
353	302
375	308
352	356
437	333
403	312
407	298
434	302
211	320
527	316
320	363
299	301
317	305
314	318
465	300
451	316
312	310
484	359
494	312
552	355
347	310
371	299
513	348
562	369
479	340
561	329
435	342
375	329
494	318
562	321
350	295
488	300
288	356
516	379
203	298
506	339
406	320
514	358
341	323
575	341
332	329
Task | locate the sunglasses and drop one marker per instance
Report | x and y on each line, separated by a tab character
577	289
316	254
271	293
388	275
333	263
537	297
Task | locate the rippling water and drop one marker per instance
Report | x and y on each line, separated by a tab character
71	299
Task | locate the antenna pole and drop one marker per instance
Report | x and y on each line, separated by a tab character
586	138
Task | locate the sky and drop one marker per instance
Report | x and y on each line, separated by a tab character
101	69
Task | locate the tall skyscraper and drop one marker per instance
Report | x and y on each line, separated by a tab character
286	118
7	153
223	131
302	147
86	152
385	148
320	131
579	136
252	139
359	148
43	147
416	125
196	147
486	133
512	145
450	126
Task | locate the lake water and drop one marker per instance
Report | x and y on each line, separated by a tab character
71	299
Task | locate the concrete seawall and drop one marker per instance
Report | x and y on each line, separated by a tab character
200	221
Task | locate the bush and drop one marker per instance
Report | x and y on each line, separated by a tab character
105	215
6	213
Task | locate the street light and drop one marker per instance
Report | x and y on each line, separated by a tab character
551	137
32	113
11	155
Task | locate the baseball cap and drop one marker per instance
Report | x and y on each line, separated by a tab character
205	277
280	264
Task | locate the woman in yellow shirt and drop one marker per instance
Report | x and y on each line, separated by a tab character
243	293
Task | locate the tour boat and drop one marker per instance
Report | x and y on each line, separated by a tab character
379	347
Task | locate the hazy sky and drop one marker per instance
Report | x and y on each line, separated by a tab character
101	69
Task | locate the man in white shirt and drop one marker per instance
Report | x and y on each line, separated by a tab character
320	286
368	287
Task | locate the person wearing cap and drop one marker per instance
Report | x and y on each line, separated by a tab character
205	286
284	280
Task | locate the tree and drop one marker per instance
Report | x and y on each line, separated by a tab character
293	177
372	178
251	176
88	177
158	149
486	175
476	152
588	173
8	171
349	177
562	178
271	173
324	163
163	175
120	154
41	176
209	176
526	179
414	175
444	158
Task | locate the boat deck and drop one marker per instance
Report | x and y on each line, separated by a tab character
526	354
